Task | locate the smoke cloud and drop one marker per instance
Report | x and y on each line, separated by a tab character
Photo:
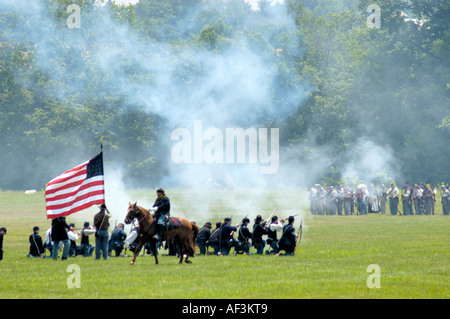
236	85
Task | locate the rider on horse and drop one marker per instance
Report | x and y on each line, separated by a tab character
161	207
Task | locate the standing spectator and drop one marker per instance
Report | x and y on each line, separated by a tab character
374	206
383	198
352	206
2	233
348	200
427	197
330	200
361	195
311	195
101	223
36	245
421	199
48	243
319	200
434	193
340	198
410	201
393	199
417	195
406	200
59	234
445	200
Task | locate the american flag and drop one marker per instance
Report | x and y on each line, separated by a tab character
77	189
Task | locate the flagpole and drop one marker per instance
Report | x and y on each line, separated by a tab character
104	184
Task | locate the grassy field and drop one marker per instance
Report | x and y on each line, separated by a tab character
331	262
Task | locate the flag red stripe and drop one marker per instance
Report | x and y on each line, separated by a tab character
78	208
71	194
67	178
72	169
55	190
67	210
79	198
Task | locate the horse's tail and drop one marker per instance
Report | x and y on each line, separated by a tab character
195	230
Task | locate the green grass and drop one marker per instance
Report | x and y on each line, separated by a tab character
331	261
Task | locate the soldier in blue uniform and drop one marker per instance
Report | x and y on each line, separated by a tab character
226	240
117	241
272	239
244	237
203	236
36	245
259	230
2	233
161	207
288	240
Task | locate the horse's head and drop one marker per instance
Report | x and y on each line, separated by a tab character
133	210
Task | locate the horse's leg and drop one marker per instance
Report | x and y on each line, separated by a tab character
187	251
188	245
181	257
137	251
181	248
153	246
183	243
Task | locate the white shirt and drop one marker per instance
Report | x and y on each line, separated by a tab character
393	192
88	231
72	235
48	233
47	241
276	227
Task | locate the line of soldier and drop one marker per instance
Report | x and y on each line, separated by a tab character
416	200
221	239
38	246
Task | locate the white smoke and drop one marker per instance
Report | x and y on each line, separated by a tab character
370	162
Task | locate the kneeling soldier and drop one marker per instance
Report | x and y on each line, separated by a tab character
289	238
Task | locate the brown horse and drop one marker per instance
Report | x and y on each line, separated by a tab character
185	236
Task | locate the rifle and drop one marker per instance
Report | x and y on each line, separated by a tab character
270	217
292	216
398	201
300	231
238	225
